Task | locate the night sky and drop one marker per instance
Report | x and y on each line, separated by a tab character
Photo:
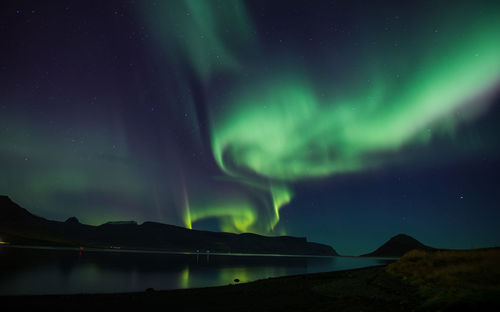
346	122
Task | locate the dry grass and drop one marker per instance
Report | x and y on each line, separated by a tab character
448	278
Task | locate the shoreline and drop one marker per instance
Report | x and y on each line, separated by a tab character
147	251
419	281
150	251
366	289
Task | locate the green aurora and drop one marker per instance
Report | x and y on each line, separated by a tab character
198	33
214	79
281	129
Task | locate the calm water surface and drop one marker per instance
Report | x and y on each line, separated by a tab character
65	271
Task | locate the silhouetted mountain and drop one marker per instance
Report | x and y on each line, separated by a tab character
73	220
398	246
19	226
120	223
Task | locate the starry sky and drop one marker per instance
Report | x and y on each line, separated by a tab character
347	122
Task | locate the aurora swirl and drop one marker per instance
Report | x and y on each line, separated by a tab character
299	118
281	129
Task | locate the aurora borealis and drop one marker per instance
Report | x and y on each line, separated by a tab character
346	122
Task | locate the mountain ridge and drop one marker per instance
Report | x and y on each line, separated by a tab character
20	226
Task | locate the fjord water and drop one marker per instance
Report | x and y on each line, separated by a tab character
68	271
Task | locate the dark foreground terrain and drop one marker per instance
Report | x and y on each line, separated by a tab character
369	289
419	281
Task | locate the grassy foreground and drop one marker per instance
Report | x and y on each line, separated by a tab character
452	279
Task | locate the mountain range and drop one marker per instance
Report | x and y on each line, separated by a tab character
19	226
